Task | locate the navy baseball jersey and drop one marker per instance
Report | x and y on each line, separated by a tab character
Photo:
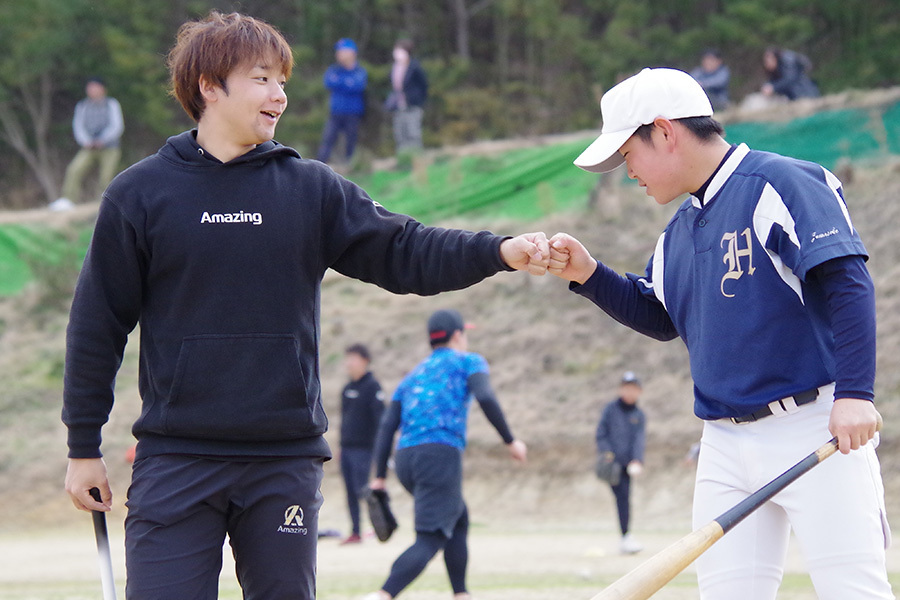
735	266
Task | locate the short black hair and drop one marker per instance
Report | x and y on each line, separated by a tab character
704	128
360	350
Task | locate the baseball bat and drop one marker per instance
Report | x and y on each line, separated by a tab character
102	536
649	577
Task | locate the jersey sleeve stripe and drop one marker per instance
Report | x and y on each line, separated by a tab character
657	272
835	184
771	210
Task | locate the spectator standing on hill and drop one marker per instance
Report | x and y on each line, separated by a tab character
620	444
98	127
346	80
713	76
788	74
409	90
430	408
217	245
362	404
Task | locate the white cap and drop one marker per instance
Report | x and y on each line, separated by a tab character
639	100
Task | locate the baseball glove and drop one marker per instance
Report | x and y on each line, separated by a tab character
608	469
380	514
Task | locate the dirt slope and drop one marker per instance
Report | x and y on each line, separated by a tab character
555	360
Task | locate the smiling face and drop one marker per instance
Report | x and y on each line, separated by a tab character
255	101
653	164
243	113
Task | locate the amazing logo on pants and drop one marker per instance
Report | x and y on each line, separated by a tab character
293	521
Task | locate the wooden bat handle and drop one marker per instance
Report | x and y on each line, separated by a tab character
659	569
649	577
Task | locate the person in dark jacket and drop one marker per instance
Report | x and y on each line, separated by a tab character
788	75
620	438
362	403
409	90
713	76
346	80
217	245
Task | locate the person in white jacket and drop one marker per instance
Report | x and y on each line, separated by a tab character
98	127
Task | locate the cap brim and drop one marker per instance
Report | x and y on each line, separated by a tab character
603	154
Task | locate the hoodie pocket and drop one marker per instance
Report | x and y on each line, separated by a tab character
243	387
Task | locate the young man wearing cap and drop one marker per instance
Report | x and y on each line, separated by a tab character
620	442
430	408
762	275
346	80
217	245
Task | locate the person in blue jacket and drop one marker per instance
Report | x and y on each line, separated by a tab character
346	80
714	76
217	245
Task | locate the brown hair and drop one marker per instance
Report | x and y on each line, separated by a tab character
405	43
214	47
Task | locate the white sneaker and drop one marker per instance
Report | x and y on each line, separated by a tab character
61	204
374	596
629	545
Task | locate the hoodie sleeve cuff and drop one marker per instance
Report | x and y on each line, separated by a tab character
84	442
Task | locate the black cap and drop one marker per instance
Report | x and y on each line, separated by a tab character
630	377
442	325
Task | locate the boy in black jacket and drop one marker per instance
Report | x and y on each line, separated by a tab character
217	246
362	404
620	439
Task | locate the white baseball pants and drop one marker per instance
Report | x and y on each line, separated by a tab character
836	510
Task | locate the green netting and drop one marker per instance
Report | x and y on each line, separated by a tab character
826	137
526	184
523	184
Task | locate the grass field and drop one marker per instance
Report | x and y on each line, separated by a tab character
524	562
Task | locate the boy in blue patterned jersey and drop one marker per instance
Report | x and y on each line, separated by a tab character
430	407
762	275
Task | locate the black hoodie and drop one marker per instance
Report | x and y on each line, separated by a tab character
221	264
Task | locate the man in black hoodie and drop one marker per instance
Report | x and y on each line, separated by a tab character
217	246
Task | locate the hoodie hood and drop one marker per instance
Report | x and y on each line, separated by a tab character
183	149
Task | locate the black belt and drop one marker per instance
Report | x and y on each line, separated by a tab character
799	399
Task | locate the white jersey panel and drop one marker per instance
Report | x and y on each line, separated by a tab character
658	271
835	184
771	210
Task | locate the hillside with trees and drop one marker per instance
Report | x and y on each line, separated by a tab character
497	68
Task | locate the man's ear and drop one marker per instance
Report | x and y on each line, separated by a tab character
209	89
667	130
